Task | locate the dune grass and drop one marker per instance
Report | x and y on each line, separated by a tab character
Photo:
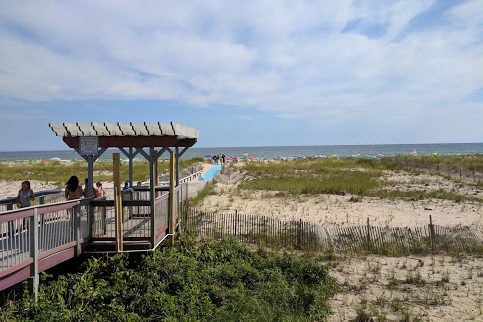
363	177
58	172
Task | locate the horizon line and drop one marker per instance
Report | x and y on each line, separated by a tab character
265	146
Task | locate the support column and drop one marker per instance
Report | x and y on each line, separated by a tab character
116	167
172	220
156	173
131	157
151	193
177	166
90	175
34	253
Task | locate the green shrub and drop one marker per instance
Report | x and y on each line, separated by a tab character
192	281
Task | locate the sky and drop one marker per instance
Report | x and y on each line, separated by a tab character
245	73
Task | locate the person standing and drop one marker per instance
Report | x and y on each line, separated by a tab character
99	192
223	158
25	195
73	190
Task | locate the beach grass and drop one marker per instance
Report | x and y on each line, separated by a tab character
362	177
58	172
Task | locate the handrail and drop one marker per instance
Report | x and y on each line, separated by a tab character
38	194
27	212
43	193
36	238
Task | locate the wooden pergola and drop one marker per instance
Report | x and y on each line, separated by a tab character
92	140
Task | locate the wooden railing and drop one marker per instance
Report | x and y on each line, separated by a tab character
36	238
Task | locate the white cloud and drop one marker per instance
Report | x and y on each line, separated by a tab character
290	57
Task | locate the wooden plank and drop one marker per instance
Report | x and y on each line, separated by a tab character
166	129
126	129
100	129
58	129
113	129
139	129
135	141
153	129
72	129
87	129
184	131
14	278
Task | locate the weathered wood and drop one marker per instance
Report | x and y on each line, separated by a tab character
58	129
166	129
153	129
126	129
72	129
139	129
113	129
87	129
100	129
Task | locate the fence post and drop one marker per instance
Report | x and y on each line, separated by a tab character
368	235
299	233
236	220
431	232
103	220
76	221
34	253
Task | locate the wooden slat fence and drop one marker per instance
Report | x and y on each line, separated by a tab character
298	234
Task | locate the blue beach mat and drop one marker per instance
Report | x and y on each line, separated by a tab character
213	170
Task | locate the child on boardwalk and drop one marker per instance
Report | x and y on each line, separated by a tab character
25	195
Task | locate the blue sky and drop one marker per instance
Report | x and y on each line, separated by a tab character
248	73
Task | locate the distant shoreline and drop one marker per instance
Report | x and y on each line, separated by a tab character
271	152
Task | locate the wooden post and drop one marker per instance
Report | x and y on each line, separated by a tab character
368	235
172	223
34	253
77	229
177	166
116	167
299	235
90	175
156	173
152	195
236	220
431	232
130	167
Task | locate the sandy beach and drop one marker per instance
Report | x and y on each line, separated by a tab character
416	288
346	210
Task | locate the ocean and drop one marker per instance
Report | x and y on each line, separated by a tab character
271	152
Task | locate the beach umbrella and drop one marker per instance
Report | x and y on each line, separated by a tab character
208	156
252	158
228	158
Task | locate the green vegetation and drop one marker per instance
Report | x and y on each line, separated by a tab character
464	165
59	173
332	176
362	177
196	280
209	189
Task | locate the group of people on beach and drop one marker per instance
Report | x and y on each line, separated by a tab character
221	158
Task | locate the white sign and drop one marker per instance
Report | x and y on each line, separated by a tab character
88	145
